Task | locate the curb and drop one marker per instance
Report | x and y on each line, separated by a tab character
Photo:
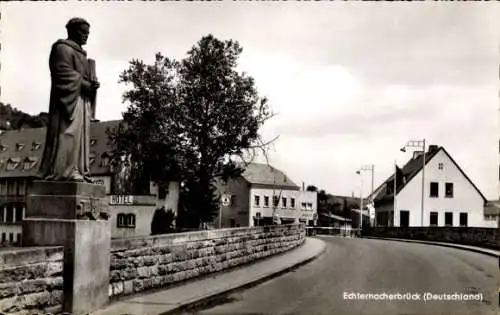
218	297
471	249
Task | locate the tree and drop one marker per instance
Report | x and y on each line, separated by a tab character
162	221
13	119
311	188
191	121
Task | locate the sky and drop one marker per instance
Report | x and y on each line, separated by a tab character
350	82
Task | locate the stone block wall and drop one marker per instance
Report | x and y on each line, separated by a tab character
139	264
481	237
31	280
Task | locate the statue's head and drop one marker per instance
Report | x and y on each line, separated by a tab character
78	30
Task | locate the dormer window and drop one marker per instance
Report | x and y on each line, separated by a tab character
35	146
91	159
13	163
105	159
19	146
3	148
93	142
30	162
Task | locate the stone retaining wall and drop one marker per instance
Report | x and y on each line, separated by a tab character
31	280
481	237
139	264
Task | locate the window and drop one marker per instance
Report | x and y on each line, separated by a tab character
434	219
448	219
3	238
19	213
131	220
13	163
449	190
283	202
463	219
162	192
404	218
19	146
292	203
93	142
35	146
266	201
276	201
303	206
105	159
440	166
2	211
11	237
309	206
233	223
91	158
256	200
19	238
120	220
10	213
3	148
390	189
434	189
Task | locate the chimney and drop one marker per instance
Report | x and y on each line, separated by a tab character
433	148
416	154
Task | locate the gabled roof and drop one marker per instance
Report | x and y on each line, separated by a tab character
32	142
410	170
264	174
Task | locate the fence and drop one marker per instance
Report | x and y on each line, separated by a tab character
335	231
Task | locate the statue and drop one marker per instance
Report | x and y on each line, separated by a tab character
72	105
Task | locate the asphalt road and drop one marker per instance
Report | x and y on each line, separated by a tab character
352	265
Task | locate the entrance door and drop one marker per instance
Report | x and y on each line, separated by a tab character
404	218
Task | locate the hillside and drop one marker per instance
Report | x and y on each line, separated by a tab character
12	119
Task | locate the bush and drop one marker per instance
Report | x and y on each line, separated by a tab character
162	222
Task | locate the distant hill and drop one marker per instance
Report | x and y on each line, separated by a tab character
13	119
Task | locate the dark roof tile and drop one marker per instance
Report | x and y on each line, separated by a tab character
36	136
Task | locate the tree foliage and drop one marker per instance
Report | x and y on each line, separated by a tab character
191	120
162	221
13	119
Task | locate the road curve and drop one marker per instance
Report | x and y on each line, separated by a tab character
352	266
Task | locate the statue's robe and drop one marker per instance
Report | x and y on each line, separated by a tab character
66	151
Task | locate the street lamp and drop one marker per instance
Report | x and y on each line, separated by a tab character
370	168
419	144
360	202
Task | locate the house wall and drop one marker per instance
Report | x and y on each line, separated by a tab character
143	209
465	196
292	213
239	191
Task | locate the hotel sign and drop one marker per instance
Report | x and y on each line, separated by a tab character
121	200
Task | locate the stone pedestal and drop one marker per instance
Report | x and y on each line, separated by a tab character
73	215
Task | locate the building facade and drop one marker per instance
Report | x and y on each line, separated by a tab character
450	197
264	195
20	154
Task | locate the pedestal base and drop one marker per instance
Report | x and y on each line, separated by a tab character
86	242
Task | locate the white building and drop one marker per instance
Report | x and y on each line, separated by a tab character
450	197
263	195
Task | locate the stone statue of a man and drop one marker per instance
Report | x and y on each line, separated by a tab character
73	90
